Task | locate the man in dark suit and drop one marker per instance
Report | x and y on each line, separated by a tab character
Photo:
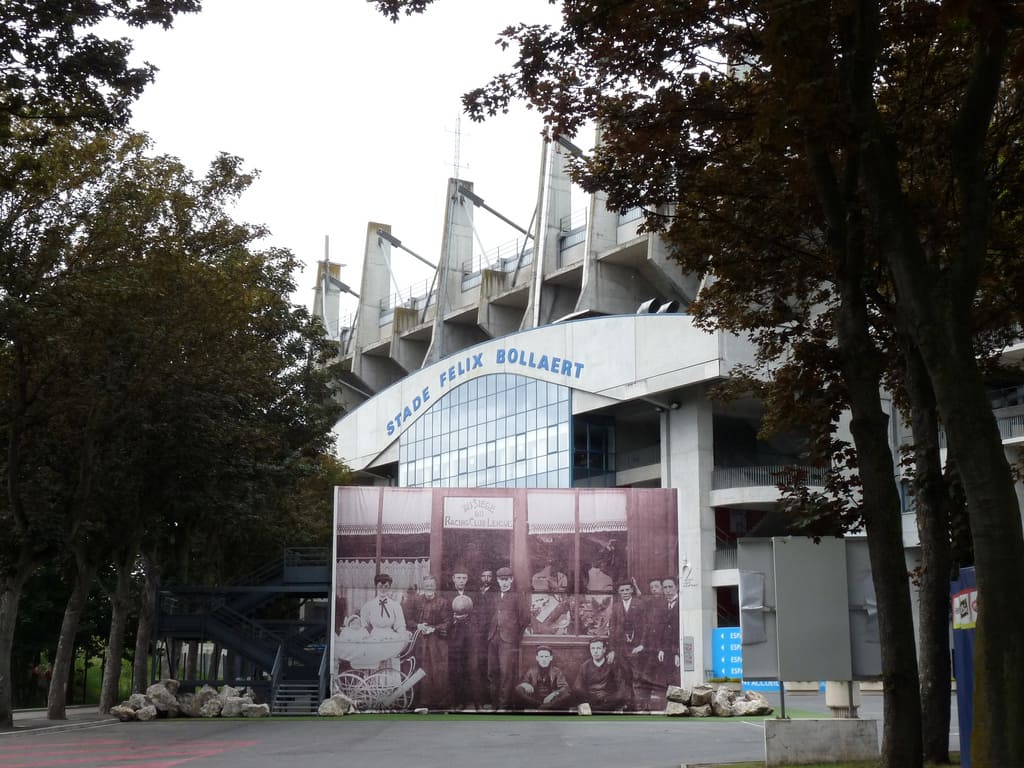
483	604
463	645
628	627
662	642
510	616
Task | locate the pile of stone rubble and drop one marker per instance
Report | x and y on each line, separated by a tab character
162	699
705	701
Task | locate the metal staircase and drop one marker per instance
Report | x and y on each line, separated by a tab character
285	655
296	697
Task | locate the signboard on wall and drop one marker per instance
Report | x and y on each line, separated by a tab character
516	599
475	512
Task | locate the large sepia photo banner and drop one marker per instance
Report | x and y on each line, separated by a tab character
465	599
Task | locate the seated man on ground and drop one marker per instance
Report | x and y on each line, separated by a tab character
544	686
605	685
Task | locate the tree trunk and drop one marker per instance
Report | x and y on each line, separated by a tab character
119	605
10	595
901	730
936	301
144	631
976	446
936	562
64	659
862	374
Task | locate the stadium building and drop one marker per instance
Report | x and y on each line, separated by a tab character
568	360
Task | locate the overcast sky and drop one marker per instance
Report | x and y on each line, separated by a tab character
348	117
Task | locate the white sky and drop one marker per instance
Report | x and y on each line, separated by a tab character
348	117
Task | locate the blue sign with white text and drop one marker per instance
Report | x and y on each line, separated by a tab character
728	652
728	659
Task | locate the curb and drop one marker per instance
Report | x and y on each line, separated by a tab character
41	724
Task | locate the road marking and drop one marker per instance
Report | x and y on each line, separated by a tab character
119	753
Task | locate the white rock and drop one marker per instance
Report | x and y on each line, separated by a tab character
211	708
584	709
137	701
337	706
676	709
233	706
703	710
678	693
123	712
146	713
721	703
170	684
752	703
701	695
204	694
255	710
228	691
162	698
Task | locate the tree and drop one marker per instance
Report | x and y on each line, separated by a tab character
54	67
156	377
893	132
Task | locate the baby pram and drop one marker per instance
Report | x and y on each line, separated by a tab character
381	671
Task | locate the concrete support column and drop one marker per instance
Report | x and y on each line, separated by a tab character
688	460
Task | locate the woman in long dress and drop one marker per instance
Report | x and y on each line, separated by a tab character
430	613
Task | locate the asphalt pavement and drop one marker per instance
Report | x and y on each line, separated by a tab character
90	740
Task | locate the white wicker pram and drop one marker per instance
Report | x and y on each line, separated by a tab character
380	673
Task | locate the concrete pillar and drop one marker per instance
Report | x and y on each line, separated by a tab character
687	463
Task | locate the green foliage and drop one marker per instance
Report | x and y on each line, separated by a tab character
158	391
55	67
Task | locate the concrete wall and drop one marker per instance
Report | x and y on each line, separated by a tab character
814	741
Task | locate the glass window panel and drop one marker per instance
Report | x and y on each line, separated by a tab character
542	394
531	395
531	445
531	420
520	447
563	437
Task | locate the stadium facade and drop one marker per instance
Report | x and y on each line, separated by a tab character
566	361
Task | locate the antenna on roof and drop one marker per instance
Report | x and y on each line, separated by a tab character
457	154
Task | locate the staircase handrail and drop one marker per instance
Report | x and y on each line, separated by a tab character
324	672
275	671
236	621
307	556
261	574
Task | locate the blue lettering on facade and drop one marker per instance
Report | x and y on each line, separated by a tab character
407	411
558	366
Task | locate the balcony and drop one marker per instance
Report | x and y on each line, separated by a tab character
1011	429
764	475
